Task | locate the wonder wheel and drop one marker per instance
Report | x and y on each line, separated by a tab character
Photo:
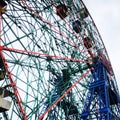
53	63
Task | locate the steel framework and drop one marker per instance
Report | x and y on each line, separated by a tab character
103	100
53	63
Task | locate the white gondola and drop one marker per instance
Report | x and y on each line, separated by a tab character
4	103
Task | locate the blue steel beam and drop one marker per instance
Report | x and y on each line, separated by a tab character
101	99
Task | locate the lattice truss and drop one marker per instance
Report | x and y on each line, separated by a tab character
47	50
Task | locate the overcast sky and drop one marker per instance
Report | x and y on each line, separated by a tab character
106	15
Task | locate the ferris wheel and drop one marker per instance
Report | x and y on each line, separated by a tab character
53	63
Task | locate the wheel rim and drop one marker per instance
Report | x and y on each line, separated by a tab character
39	47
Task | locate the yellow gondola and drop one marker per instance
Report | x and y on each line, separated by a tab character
3	6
